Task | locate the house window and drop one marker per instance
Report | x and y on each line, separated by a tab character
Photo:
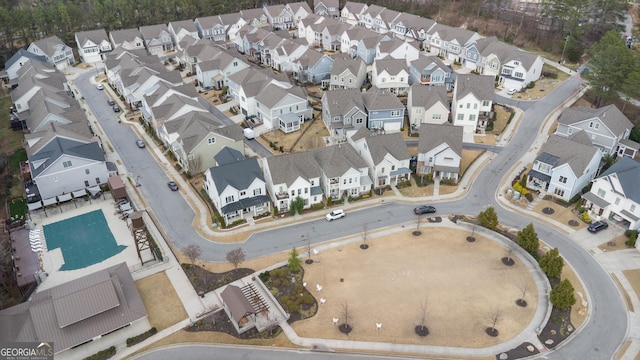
472	117
395	113
306	190
401	79
257	191
468	105
228	199
358	121
418	111
87	171
86	183
66	164
570	131
382	171
97	181
596	126
460	116
235	63
211	141
350	80
558	192
243	193
563	179
335	78
601	193
344	182
591	125
475	106
436	116
336	118
485	103
313	183
617	201
632	208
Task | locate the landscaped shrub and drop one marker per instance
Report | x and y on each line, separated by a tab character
142	337
264	276
103	354
632	239
517	187
584	216
298	288
275	211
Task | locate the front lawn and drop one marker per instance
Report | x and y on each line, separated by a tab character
18	209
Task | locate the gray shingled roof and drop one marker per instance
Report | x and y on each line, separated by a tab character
336	160
627	171
238	305
342	100
391	66
60	146
187	25
481	86
297	5
433	135
448	33
120	36
288	168
49	45
355	7
310	57
575	154
380	99
208	22
380	145
77	311
25	53
609	115
228	155
271	94
427	96
96	36
427	64
505	52
239	174
153	31
342	62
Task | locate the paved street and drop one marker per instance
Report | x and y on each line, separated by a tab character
599	338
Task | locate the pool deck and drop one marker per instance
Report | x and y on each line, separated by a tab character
52	260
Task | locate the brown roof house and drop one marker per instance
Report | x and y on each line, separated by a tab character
78	311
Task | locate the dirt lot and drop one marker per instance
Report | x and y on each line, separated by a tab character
161	300
462	283
309	137
543	85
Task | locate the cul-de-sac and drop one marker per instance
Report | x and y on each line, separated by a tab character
326	179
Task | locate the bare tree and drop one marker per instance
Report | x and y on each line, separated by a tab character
510	249
422	329
193	252
236	257
195	165
365	229
523	285
345	327
308	249
494	317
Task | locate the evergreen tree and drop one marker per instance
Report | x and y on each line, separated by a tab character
528	240
562	296
294	260
488	218
552	263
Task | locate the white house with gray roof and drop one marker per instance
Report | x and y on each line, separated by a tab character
128	39
329	8
237	189
215	72
183	33
343	111
279	16
449	42
281	108
313	67
615	194
397	49
57	53
427	105
343	172
78	311
15	63
564	166
472	102
440	151
386	155
92	44
351	12
291	175
391	74
157	39
607	128
347	72
300	10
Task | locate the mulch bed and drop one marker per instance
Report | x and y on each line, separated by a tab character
204	280
558	328
219	322
519	352
286	295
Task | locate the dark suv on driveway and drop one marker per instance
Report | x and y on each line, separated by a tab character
597	226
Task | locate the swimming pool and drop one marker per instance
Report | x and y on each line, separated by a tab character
84	240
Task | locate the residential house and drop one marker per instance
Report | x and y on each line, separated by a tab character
329	8
166	102
211	27
58	54
33	77
313	67
233	22
515	68
427	105
439	151
410	26
343	173
267	46
183	33
472	102
246	84
237	189
64	158
397	49
285	54
366	48
352	11
332	34
47	107
279	17
196	137
249	40
122	61
214	73
449	42
300	10
391	74
199	51
615	194
347	72
293	175
157	39
15	63
283	108
127	39
309	30
607	128
92	44
78	312
378	18
384	110
254	17
385	154
430	70
564	166
351	37
135	83
343	111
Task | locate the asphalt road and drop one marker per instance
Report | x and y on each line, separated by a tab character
603	332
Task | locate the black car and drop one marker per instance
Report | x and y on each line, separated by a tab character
140	143
424	209
111	102
172	185
116	108
597	226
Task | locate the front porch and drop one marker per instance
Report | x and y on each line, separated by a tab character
245	208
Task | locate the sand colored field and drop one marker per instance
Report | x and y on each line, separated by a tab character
462	283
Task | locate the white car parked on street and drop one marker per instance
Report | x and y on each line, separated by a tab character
335	214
